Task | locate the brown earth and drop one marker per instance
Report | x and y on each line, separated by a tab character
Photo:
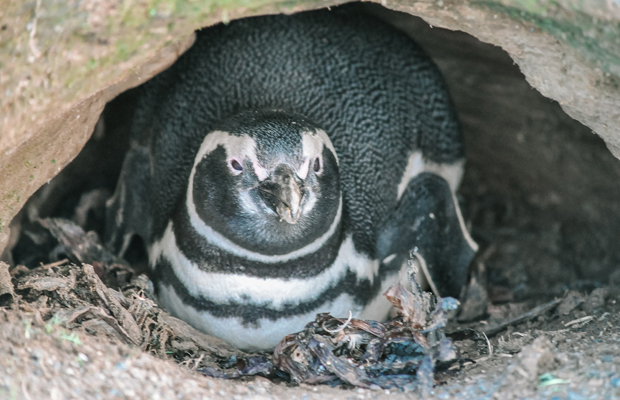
66	335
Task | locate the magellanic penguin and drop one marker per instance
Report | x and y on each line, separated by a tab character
291	165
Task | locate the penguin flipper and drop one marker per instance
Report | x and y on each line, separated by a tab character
427	224
128	210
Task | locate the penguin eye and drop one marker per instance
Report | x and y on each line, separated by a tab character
317	165
236	165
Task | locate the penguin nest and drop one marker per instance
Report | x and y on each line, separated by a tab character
109	299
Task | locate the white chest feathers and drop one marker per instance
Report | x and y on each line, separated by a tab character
255	313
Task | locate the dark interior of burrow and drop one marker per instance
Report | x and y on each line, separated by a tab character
540	192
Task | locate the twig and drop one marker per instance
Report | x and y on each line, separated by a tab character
197	361
25	391
341	327
522	318
603	316
32	40
54	264
488	344
579	320
558	332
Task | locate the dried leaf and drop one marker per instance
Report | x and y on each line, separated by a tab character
397	354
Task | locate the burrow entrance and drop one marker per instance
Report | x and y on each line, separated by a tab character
539	187
540	190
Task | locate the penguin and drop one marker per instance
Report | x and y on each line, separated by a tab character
290	165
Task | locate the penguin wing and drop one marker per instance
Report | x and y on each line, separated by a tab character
427	227
128	211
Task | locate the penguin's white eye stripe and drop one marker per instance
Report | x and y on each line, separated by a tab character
327	143
237	147
302	172
260	172
314	143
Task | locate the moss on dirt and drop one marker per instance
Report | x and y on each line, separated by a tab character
596	40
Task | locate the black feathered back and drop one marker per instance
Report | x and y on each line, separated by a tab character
374	92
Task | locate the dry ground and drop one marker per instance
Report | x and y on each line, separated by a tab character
66	335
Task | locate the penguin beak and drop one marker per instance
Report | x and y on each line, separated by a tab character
281	191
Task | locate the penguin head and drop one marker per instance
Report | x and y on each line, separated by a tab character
266	180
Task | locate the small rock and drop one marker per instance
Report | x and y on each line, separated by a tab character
533	360
514	345
184	346
596	300
45	284
572	300
537	357
475	301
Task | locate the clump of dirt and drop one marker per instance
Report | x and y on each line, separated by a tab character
74	299
569	351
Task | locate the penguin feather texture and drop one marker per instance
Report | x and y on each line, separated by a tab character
289	165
